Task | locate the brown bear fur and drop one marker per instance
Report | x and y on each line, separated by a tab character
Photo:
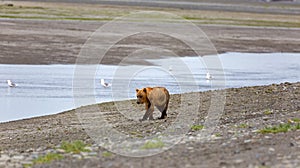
156	96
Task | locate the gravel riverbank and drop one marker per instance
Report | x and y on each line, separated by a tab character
53	33
235	142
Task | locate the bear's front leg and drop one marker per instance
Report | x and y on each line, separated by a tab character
149	112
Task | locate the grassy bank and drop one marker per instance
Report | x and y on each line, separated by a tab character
51	11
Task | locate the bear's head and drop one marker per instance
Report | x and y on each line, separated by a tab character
141	95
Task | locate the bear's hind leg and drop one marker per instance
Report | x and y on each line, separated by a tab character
163	115
163	112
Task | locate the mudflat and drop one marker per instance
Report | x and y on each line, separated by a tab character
59	42
51	33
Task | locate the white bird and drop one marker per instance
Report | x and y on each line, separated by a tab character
208	76
11	84
170	68
104	84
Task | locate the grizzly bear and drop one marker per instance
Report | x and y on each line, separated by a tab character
156	96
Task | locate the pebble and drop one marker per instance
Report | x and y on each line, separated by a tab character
247	141
265	118
234	138
26	162
18	157
239	161
191	138
255	131
4	158
77	156
215	137
60	151
84	154
93	154
271	149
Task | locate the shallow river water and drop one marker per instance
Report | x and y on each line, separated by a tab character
49	89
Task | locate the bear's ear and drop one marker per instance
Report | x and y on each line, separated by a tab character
137	90
145	90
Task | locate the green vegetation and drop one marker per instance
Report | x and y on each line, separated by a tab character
280	128
74	147
269	90
107	154
268	112
244	22
136	134
297	120
197	127
153	144
243	125
47	158
55	18
218	134
60	13
70	147
100	13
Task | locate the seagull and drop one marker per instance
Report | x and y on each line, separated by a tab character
104	84
170	68
11	84
208	76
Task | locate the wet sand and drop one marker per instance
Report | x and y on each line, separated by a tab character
27	42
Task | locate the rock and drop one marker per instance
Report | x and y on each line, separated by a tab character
34	155
26	162
234	138
93	153
84	154
77	156
4	158
88	148
61	151
238	161
247	141
265	118
271	149
29	150
18	157
231	131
